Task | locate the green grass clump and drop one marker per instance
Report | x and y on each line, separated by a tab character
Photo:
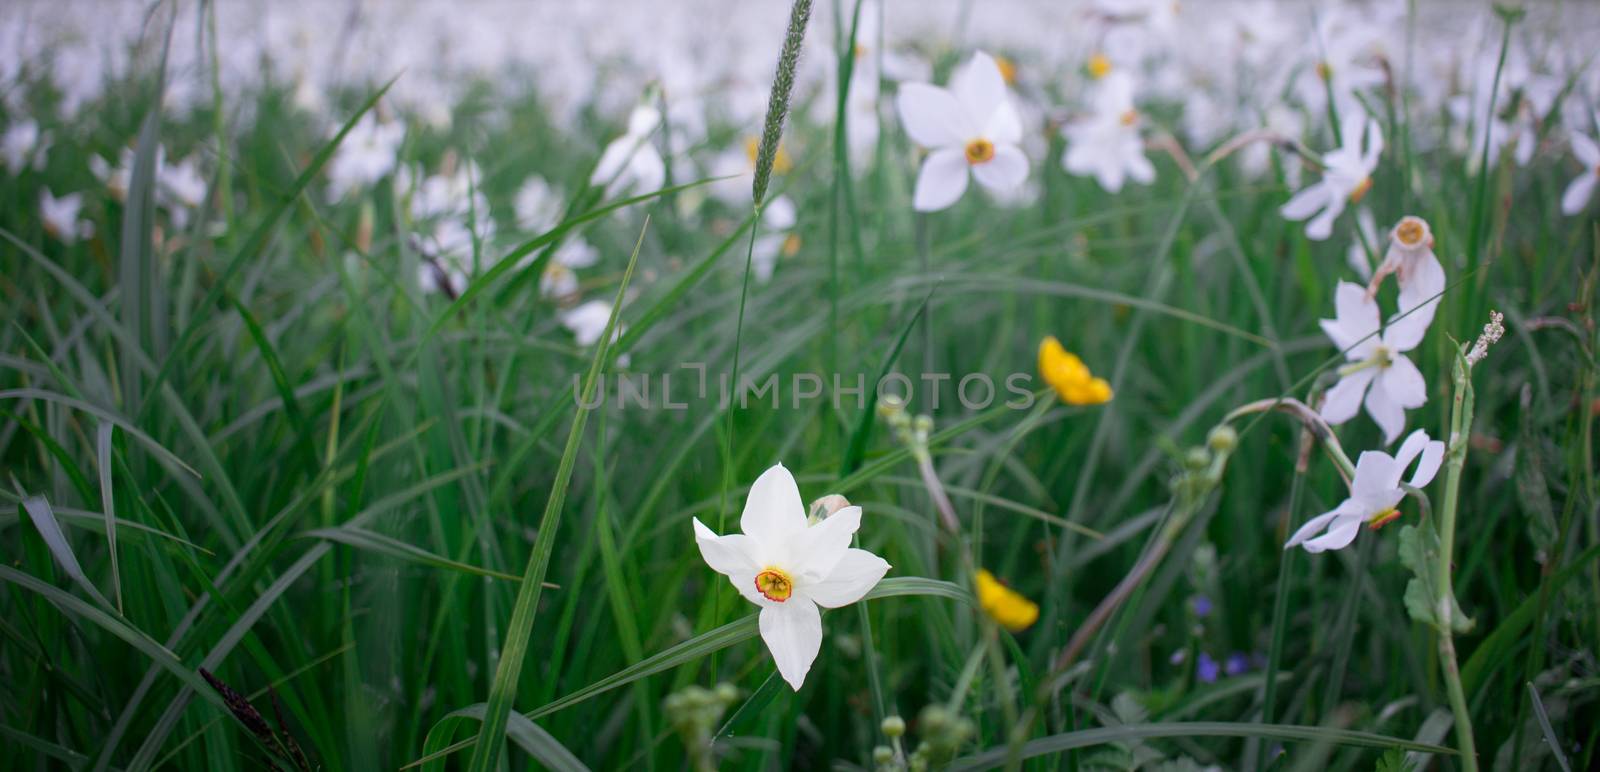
266	501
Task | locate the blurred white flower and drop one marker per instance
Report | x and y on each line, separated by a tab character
538	205
60	216
1378	374
1346	177
775	240
1107	144
366	155
972	126
631	163
559	279
116	179
587	322
788	567
180	189
1375	494
23	146
1577	194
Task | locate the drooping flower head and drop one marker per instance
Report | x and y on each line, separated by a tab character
971	128
789	567
1375	494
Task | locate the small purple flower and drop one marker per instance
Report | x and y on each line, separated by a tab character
1237	663
1201	606
1205	668
1178	656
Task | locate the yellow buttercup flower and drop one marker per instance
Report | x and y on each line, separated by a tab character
1005	605
1069	376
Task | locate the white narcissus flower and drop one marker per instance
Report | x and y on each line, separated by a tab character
1379	374
1374	494
366	155
587	322
789	566
23	146
538	205
560	279
60	216
1577	194
972	127
1411	259
1346	177
631	162
1107	145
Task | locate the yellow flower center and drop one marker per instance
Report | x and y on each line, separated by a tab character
1069	376
1360	190
1099	66
791	245
1130	117
1410	232
980	151
775	584
781	162
1005	605
1008	69
1383	518
1324	71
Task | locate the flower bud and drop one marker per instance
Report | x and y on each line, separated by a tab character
1197	459
1223	439
894	726
827	505
882	755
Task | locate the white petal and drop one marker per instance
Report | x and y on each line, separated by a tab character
1337	538
1004	125
1140	168
1344	399
1356	321
1005	171
1374	144
1316	524
1301	205
1578	192
931	116
942	181
1390	417
1409	449
1404	383
1109	175
1420	290
731	554
1585	150
1432	457
1321	226
815	551
793	633
1377	475
979	87
773	513
854	575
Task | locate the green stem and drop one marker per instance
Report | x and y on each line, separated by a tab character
1444	603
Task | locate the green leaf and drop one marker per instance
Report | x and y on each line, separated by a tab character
995	757
1419	551
530	737
503	689
1394	760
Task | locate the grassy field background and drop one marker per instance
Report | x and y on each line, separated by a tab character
251	444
